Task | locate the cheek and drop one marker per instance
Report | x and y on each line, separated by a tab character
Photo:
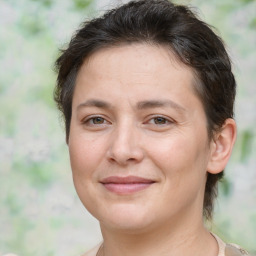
85	155
179	156
169	150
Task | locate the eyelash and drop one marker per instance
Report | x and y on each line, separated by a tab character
88	121
154	119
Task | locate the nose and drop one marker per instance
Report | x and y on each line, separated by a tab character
125	146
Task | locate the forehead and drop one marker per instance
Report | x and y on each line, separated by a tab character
135	68
148	56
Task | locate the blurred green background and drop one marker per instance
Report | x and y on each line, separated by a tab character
40	213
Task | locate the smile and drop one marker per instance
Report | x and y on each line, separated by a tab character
126	185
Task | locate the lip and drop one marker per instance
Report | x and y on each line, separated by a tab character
126	185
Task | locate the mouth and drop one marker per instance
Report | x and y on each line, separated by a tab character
126	185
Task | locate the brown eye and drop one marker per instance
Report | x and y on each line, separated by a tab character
95	123
160	120
97	120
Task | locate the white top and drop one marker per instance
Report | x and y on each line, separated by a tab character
221	245
93	251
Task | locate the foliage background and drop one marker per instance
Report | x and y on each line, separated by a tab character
40	213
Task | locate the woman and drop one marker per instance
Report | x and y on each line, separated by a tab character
147	94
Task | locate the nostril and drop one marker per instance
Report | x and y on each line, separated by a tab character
123	158
131	159
124	148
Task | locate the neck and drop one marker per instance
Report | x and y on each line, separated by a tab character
167	240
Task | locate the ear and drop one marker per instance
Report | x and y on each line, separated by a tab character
221	147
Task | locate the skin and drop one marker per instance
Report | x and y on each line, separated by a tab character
141	117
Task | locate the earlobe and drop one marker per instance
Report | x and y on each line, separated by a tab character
221	147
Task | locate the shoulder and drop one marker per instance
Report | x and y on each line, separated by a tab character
234	250
93	251
228	249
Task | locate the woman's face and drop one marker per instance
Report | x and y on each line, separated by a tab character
138	141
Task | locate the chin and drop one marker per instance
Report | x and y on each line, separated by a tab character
128	218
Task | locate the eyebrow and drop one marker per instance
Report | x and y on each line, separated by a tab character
95	103
147	104
159	103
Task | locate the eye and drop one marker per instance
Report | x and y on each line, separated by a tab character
159	120
95	121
